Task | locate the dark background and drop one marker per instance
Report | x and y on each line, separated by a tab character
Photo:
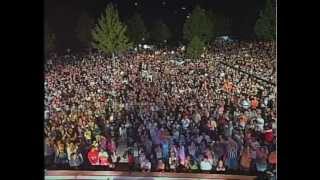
62	15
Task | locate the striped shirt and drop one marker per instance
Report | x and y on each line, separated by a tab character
232	154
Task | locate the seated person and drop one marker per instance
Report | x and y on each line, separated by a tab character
205	165
194	166
160	166
93	156
220	167
145	165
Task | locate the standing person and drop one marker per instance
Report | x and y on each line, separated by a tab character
272	159
261	161
231	158
130	161
61	157
192	150
93	156
245	159
103	158
112	147
160	166
220	167
135	150
182	155
205	165
158	151
49	152
173	162
76	160
103	143
165	149
194	166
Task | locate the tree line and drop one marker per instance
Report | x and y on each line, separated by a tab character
111	35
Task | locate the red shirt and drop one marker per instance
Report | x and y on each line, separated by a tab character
130	159
268	136
93	156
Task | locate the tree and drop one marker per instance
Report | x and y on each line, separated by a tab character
109	35
50	39
265	27
160	32
137	30
83	29
195	47
199	24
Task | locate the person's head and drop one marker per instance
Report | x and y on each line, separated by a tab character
73	155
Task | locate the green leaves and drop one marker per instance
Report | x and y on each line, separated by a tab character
109	35
265	27
199	24
195	48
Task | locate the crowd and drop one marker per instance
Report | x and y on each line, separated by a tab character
194	116
258	59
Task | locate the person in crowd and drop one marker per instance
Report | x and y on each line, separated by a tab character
220	167
130	161
245	159
49	152
76	160
226	99
205	165
61	157
232	155
93	156
194	166
160	166
173	162
261	160
103	158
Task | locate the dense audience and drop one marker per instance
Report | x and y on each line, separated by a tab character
214	114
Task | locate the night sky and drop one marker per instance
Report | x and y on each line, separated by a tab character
62	15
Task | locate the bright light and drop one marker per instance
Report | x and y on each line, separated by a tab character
183	8
136	3
188	16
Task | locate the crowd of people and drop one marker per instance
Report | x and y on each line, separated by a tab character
196	116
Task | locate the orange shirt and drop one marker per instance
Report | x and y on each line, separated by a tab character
245	160
272	159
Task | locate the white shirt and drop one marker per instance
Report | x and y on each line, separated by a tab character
205	165
185	123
